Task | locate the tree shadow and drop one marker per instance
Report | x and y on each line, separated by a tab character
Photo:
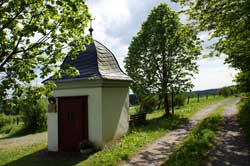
44	157
178	127
232	147
161	123
22	131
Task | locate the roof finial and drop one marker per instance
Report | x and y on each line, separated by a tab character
90	28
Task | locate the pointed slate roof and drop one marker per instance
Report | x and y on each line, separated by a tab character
96	62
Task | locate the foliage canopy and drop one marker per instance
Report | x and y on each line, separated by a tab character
162	56
229	21
35	37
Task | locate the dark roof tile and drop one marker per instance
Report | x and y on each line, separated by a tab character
96	62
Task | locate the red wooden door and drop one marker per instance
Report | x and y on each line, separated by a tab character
72	122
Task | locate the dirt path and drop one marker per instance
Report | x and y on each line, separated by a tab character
232	148
156	153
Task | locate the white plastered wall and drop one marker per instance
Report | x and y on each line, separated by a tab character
108	105
53	131
115	112
94	115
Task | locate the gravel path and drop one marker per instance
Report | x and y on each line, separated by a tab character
232	148
156	153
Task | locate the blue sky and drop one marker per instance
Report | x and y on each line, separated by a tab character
117	21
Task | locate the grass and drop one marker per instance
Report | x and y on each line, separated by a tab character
157	126
31	150
244	116
198	142
139	136
133	109
14	130
20	152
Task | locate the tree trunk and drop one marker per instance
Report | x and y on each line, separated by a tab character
166	105
159	105
172	103
188	100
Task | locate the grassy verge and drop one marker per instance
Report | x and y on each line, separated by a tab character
198	142
244	116
139	136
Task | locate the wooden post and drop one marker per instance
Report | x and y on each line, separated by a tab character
198	98
166	105
159	105
172	103
207	96
188	100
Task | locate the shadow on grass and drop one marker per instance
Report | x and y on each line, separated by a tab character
161	123
196	144
45	158
19	131
244	116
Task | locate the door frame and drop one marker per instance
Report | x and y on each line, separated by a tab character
85	105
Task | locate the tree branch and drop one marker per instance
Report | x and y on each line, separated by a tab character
1	4
12	19
39	41
13	52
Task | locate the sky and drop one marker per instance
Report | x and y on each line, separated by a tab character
117	21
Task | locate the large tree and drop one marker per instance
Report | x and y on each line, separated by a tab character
162	56
229	21
35	36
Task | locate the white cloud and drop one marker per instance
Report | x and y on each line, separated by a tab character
213	73
183	18
116	22
203	36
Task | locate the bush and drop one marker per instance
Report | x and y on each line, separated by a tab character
148	104
4	120
244	116
227	91
179	100
34	115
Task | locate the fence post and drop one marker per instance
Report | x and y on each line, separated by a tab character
172	102
188	100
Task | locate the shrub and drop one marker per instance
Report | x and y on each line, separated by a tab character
148	103
4	120
244	116
34	115
179	99
227	91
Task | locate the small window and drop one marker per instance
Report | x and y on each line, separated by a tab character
71	116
